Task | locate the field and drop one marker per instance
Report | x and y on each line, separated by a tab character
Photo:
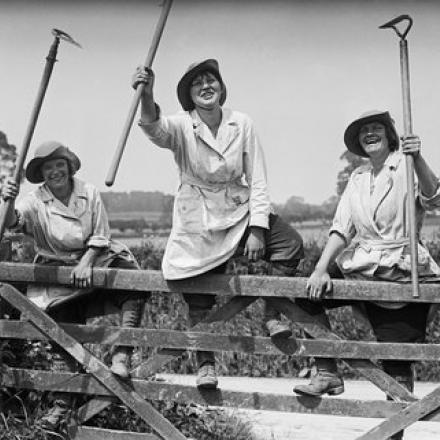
310	231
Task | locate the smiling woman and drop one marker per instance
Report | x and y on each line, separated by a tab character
69	226
222	206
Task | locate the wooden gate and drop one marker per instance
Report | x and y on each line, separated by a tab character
105	388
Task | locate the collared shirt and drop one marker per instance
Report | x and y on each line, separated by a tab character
222	189
377	224
63	232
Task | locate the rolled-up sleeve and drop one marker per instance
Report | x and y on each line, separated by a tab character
429	203
255	172
100	237
26	214
162	132
343	220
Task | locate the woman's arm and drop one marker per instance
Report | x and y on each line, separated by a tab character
148	108
81	275
9	192
320	282
259	203
428	181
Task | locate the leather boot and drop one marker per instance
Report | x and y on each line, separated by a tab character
121	360
62	403
278	329
206	377
131	313
325	381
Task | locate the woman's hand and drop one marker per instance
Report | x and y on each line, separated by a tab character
144	75
318	283
10	189
255	247
81	275
411	145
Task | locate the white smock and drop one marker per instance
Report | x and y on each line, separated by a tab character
222	189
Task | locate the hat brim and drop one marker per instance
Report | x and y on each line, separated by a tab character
33	169
351	135
184	85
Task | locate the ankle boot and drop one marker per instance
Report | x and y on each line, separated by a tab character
58	413
131	313
325	381
206	376
121	361
275	327
62	402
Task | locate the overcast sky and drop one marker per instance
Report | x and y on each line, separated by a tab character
302	70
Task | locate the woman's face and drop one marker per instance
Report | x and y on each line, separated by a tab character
206	91
56	173
373	139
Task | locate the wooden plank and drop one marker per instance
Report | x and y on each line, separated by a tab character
119	388
179	341
91	433
243	285
405	417
183	394
367	368
154	363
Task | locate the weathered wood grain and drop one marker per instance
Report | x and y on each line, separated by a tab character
154	363
405	417
87	384
366	367
117	387
243	285
179	341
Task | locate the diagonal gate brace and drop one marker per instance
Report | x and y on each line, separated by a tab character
122	390
235	305
404	418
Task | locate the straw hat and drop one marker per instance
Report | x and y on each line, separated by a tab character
184	85
351	135
47	151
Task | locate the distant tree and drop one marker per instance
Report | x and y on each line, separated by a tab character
353	161
8	155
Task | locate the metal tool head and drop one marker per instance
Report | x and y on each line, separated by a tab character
61	35
395	21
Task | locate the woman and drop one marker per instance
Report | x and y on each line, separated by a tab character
369	237
222	205
68	222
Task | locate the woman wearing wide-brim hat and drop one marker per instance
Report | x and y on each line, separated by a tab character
222	205
68	223
369	235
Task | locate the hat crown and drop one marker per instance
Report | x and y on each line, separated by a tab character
371	113
211	62
47	148
184	85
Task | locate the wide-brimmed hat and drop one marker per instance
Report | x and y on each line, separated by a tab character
184	85
351	135
48	151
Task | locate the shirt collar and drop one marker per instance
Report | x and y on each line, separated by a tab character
79	190
392	162
228	118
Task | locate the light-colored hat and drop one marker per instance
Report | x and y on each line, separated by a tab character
184	85
351	135
48	151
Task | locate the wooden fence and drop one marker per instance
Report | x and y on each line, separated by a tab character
105	388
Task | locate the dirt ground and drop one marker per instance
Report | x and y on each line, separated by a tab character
275	425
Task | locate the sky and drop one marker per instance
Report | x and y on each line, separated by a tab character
302	70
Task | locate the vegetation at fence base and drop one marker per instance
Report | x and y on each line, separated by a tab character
194	421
